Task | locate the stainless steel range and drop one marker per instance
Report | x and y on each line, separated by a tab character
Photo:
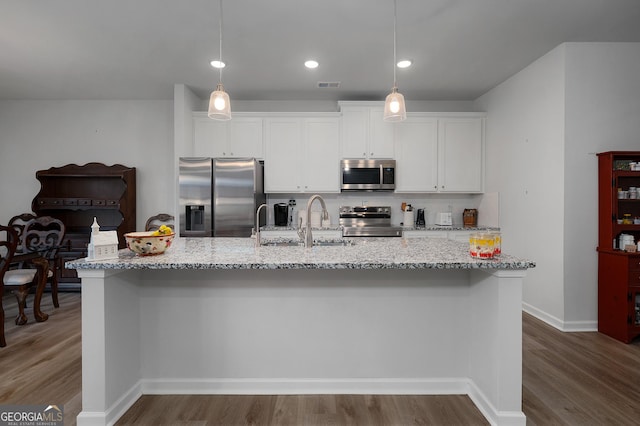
367	221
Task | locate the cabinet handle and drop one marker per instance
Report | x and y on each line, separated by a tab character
435	187
224	153
442	186
231	153
372	154
364	154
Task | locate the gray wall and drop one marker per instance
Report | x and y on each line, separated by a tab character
525	154
36	135
602	114
544	126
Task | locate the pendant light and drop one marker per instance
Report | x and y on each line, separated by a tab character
394	109
219	103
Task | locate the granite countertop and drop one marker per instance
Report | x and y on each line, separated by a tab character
364	253
454	227
268	228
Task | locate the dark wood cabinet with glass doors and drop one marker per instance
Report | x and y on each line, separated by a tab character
76	194
618	235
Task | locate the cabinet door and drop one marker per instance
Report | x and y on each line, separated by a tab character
417	155
425	234
209	137
380	135
283	144
365	134
462	236
461	155
245	137
321	162
355	122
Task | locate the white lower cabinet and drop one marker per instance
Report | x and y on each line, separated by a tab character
440	154
424	234
462	236
302	154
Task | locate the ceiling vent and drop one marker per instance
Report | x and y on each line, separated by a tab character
328	84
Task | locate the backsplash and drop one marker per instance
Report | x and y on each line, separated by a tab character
487	204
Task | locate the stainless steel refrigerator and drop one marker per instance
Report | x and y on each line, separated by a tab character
219	196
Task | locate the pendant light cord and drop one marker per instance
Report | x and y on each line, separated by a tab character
220	28
395	18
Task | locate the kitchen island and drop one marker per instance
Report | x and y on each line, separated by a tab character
221	316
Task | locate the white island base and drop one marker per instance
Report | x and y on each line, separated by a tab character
305	331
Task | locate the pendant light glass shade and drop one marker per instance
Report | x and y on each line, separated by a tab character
394	109
219	104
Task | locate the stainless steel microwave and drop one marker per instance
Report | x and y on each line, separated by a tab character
367	175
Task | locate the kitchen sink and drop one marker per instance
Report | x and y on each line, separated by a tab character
297	243
337	243
281	243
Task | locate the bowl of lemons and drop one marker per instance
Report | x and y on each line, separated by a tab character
149	243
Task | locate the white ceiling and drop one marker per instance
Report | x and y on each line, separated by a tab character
138	49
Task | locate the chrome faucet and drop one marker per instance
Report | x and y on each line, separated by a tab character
258	224
300	230
308	238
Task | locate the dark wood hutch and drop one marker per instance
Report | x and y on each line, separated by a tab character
76	194
618	270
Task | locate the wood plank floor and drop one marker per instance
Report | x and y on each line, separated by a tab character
568	379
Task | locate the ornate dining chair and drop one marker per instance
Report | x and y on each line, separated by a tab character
41	235
7	248
20	279
18	223
154	222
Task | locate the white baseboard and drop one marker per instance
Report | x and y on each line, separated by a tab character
566	326
117	410
444	386
493	416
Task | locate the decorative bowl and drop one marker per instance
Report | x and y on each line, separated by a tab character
145	243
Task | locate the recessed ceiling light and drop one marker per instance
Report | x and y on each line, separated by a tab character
217	64
311	64
405	63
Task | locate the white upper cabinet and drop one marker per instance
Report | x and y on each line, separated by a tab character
238	137
461	155
417	155
436	153
302	154
364	133
321	168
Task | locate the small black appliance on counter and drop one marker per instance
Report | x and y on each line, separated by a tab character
280	214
